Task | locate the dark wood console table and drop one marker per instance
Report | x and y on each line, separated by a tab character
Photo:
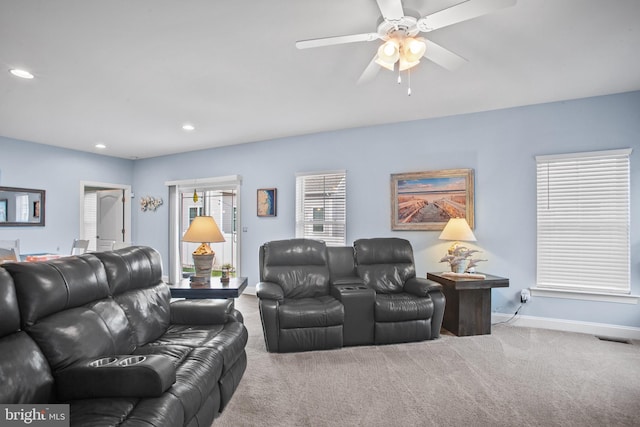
213	290
468	308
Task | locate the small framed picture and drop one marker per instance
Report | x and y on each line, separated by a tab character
266	201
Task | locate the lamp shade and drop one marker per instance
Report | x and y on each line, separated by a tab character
457	229
203	229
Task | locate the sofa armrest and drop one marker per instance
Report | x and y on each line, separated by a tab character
421	287
116	376
202	311
269	290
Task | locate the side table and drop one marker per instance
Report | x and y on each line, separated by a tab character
213	290
468	307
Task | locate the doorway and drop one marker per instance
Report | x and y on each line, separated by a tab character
105	215
222	206
218	197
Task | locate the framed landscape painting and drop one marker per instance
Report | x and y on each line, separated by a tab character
427	200
267	202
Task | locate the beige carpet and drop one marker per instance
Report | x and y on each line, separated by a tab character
513	377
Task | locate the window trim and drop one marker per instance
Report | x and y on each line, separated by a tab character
584	295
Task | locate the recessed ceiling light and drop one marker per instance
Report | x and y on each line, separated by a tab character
188	127
24	74
100	146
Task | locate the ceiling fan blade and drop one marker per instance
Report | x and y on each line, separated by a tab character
391	9
370	72
443	57
461	12
329	41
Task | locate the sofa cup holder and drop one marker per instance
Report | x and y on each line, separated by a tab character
117	361
103	362
133	360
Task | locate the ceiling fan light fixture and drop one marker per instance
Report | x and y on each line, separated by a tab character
388	54
384	64
405	65
390	48
413	49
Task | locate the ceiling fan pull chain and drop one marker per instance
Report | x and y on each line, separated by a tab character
399	77
409	82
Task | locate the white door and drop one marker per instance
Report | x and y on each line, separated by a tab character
110	226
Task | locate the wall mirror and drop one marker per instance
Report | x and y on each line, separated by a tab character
21	207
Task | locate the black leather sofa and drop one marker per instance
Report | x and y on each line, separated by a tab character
100	333
315	297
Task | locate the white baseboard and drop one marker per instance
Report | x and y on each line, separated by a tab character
592	328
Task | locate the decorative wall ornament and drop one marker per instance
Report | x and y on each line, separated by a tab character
149	203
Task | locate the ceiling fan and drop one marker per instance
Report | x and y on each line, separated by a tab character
398	29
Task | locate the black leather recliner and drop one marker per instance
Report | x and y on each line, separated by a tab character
407	308
297	310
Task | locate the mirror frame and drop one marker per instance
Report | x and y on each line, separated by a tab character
42	206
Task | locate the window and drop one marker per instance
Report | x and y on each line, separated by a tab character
193	211
583	222
321	207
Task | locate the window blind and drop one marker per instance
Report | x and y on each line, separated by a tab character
583	214
321	207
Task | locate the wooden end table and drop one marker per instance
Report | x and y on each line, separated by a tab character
468	307
213	290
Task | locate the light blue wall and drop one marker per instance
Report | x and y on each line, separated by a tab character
499	145
59	172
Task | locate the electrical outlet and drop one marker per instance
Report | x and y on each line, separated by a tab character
525	295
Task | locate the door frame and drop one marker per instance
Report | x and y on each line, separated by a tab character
107	186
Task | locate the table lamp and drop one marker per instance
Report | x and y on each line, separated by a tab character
457	229
204	230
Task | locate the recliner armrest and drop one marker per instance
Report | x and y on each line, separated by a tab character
202	311
269	290
347	280
421	287
116	376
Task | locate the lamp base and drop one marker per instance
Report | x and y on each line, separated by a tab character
203	264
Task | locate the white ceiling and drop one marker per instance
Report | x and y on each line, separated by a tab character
130	73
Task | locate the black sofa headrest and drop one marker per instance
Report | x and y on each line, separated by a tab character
299	266
9	313
47	287
133	267
383	250
295	252
384	263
